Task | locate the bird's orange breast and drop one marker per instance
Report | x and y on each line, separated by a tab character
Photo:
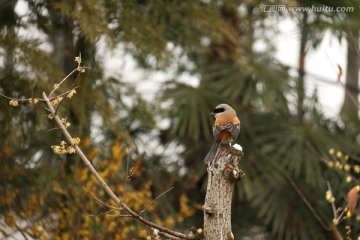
234	120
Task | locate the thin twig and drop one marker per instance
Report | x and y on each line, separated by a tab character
32	92
76	79
61	82
119	215
354	41
153	201
21	232
307	203
52	129
337	217
127	177
106	214
130	149
62	94
103	184
127	174
353	100
79	68
6	96
39	99
342	213
97	199
332	202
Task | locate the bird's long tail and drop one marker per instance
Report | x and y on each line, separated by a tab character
212	153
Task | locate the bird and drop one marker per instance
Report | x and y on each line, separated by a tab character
225	130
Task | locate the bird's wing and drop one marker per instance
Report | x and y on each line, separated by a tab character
233	129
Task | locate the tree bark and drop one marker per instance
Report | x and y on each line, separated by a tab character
223	172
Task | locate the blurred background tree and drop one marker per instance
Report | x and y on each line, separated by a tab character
284	133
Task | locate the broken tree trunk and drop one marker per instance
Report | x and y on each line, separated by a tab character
223	172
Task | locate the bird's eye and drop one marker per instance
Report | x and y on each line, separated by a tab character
218	110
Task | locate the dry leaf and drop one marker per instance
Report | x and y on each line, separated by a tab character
352	198
339	74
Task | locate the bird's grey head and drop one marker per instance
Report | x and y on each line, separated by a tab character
221	108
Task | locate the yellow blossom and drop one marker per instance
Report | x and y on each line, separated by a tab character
357	168
57	149
33	100
56	101
339	154
63	148
58	188
50	116
71	93
70	150
65	122
76	140
348	179
338	165
347	167
9	220
331	151
330	164
81	69
78	59
329	197
335	221
13	103
348	214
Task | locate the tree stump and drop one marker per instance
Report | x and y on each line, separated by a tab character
223	172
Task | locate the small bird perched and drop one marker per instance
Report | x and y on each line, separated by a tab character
225	130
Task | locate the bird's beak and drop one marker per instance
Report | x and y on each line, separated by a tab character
212	114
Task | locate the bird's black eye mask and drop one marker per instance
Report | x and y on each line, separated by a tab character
218	110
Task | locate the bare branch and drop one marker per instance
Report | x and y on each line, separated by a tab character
103	184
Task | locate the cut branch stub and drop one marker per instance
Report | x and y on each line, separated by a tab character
223	172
